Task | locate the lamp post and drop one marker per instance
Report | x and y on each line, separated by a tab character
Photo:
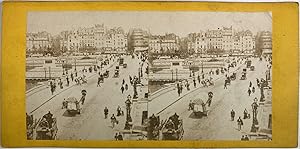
172	73
254	120
128	110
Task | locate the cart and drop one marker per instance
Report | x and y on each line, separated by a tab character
72	105
124	65
46	130
200	108
170	132
106	74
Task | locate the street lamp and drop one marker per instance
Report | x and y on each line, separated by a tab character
254	120
128	110
172	73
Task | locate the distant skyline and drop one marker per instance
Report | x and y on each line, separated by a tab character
157	22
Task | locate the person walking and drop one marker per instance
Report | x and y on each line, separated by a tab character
113	120
250	84
72	77
245	114
249	91
253	89
199	79
240	123
116	136
187	86
194	83
178	91
68	82
232	115
123	82
126	86
246	138
122	89
99	80
118	111
105	112
225	84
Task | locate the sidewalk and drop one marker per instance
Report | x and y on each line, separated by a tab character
34	100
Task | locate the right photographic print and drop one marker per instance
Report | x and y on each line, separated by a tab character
210	77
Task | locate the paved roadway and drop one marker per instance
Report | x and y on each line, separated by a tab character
217	126
91	125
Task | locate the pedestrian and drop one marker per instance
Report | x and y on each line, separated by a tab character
199	79
178	91
68	81
123	82
105	112
122	89
194	83
253	89
240	123
232	115
245	114
242	139
113	120
225	84
72	77
126	86
187	86
116	136
120	137
250	84
52	89
99	80
118	111
246	138
249	91
191	105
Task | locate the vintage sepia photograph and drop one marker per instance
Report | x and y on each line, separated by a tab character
149	75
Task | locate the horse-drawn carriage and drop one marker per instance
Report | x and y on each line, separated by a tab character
46	130
117	70
153	127
199	107
124	65
233	76
43	129
173	128
170	129
106	74
72	105
101	78
244	77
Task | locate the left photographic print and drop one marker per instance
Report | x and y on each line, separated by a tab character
82	78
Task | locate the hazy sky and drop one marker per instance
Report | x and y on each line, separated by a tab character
158	22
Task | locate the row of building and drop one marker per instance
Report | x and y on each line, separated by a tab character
96	37
38	41
224	40
99	37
